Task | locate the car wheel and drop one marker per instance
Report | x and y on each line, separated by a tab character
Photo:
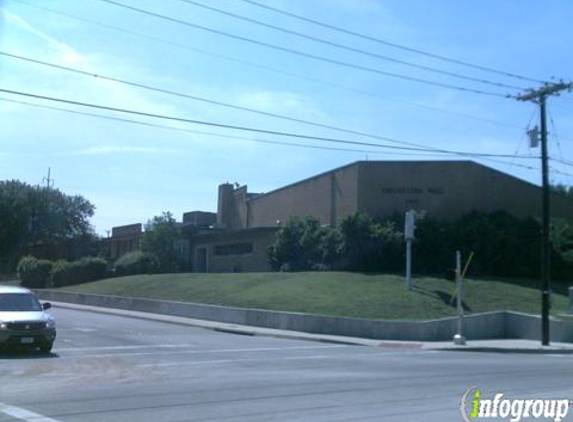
46	347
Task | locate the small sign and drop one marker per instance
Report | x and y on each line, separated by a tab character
410	225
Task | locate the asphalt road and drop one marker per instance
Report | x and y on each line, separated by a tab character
111	368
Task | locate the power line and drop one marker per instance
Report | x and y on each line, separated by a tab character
251	139
303	54
214	134
562	172
213	102
268	68
253	129
556	139
391	44
562	161
350	48
266	141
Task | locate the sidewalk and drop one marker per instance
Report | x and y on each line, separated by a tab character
491	346
504	346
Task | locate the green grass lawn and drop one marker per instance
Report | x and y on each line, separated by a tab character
358	295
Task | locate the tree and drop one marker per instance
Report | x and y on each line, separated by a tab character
562	190
160	239
303	245
39	220
369	245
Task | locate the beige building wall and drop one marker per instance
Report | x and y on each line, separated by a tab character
224	251
447	190
329	197
124	239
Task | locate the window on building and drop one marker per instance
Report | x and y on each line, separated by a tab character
234	249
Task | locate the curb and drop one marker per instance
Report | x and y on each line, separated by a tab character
293	335
480	328
504	350
483	326
237	329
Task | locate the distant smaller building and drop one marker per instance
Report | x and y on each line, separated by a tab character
200	219
231	251
124	239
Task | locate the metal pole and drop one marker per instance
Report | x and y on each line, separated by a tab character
409	228
545	248
459	338
409	264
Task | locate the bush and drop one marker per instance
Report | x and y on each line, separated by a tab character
137	262
159	239
94	268
33	272
370	245
302	245
84	270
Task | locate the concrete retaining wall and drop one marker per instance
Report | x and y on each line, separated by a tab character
494	325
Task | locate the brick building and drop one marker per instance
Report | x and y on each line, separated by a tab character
124	239
236	238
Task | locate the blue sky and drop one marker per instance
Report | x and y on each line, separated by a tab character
132	172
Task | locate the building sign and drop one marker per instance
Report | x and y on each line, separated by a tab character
413	191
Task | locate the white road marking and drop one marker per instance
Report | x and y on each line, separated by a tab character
23	414
159	346
261	349
268	359
209	362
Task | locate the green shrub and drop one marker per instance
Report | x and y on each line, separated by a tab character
303	245
61	273
93	268
33	272
136	262
84	270
371	245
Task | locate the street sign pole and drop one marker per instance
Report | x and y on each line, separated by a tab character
409	264
409	227
459	338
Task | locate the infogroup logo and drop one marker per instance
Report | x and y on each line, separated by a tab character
474	407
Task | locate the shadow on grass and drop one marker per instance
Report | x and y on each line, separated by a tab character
447	298
560	287
450	300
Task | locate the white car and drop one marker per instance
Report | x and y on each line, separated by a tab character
24	321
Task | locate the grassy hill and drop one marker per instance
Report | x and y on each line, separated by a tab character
373	296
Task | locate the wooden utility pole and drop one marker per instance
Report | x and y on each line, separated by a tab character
539	96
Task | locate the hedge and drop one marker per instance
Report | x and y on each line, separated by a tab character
34	273
136	262
84	270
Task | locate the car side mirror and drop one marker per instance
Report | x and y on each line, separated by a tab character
46	305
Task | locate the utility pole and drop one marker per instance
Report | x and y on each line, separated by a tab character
48	180
539	96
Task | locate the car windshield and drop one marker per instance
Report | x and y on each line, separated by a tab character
19	302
